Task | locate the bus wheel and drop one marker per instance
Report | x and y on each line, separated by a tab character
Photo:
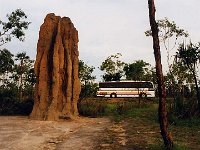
143	95
113	95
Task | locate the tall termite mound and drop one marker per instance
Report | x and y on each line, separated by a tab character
56	68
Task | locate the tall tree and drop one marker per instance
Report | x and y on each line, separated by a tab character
190	56
169	35
22	69
88	87
6	63
137	70
113	68
85	72
167	138
14	27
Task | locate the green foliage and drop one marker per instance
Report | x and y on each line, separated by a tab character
8	99
178	85
162	147
138	71
112	77
169	35
14	77
143	117
6	61
88	87
119	110
168	29
186	122
10	103
91	107
24	107
23	68
181	73
15	27
85	72
133	110
88	90
17	84
189	56
30	78
112	67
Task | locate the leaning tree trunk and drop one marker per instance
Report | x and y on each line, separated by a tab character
197	88
56	68
161	86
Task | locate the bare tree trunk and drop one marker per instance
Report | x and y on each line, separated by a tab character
196	88
21	81
167	138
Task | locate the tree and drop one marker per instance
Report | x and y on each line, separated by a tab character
137	70
167	138
180	74
30	76
6	63
10	91
14	27
88	87
151	75
85	72
22	70
189	56
113	68
168	33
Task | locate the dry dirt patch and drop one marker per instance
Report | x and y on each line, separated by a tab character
21	133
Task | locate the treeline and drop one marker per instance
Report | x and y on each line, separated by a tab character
181	80
17	78
114	70
16	72
17	82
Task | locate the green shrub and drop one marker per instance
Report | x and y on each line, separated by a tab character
11	105
25	107
189	122
91	107
162	147
124	108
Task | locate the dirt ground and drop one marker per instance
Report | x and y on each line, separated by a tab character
21	133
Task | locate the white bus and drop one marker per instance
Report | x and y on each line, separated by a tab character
126	89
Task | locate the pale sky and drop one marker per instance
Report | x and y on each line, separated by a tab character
105	26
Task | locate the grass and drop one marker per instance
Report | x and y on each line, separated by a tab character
106	107
92	108
143	117
188	122
162	147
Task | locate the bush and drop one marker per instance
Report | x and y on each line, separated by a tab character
92	107
25	107
95	107
10	103
189	122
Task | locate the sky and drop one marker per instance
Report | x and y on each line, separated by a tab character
105	27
